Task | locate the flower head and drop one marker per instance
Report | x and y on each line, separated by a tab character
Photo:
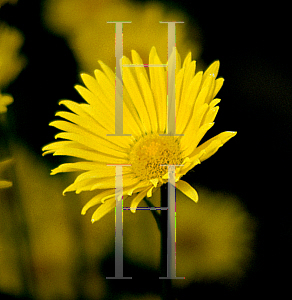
86	128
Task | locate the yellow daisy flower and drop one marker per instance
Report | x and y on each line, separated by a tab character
85	130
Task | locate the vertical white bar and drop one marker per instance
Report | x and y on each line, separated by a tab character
171	56
119	81
171	269
171	225
119	260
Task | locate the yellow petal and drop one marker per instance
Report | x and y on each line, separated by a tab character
91	83
103	209
211	146
92	142
191	163
107	86
52	147
93	116
132	121
92	127
137	199
138	61
159	88
188	76
212	70
107	183
102	171
187	189
187	60
99	101
89	155
187	104
100	198
210	115
191	132
149	100
130	84
81	186
218	84
178	88
108	71
78	166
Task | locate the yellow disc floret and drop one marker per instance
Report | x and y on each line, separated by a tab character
152	151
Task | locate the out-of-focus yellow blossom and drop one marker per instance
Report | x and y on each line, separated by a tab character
2	2
86	129
3	165
84	24
213	239
11	62
56	238
5	100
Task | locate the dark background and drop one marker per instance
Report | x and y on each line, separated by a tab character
252	43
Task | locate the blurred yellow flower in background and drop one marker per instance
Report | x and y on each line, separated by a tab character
145	117
214	238
5	100
91	38
56	248
11	61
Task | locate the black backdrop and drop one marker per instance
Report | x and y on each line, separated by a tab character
252	43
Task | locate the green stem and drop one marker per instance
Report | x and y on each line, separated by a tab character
155	213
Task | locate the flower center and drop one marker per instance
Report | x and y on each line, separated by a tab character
152	151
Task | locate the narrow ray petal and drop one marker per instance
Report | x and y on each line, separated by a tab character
211	146
137	199
158	86
103	209
77	166
98	199
149	101
188	190
212	70
130	84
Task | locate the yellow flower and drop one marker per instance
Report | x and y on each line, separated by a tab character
84	25
214	239
11	62
5	100
85	130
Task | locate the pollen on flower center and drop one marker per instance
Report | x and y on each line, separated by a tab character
152	151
